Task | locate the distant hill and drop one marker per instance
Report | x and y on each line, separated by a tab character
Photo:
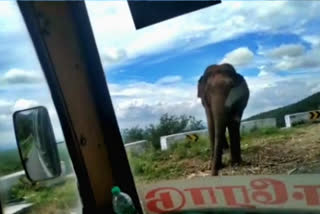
310	103
10	161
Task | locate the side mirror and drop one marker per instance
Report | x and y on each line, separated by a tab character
37	144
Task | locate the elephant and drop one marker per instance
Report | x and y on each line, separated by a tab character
224	94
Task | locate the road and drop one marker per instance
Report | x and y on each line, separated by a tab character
34	165
16	208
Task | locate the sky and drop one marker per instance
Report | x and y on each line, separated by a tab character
275	45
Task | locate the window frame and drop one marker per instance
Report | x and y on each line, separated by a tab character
38	16
43	26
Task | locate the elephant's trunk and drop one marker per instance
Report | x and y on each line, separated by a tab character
220	121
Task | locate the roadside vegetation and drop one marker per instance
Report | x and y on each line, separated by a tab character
10	162
60	198
265	151
54	198
168	124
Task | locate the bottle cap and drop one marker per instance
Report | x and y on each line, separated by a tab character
115	190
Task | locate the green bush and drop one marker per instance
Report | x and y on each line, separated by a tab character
168	124
187	149
155	164
262	132
60	196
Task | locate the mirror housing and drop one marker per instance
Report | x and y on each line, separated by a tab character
36	143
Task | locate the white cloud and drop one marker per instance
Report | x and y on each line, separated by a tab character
4	106
142	103
272	91
9	11
169	79
264	70
309	60
289	57
19	76
24	104
239	57
314	40
294	63
114	28
113	55
7	108
6	124
286	50
16	46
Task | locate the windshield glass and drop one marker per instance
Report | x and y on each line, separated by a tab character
175	121
23	86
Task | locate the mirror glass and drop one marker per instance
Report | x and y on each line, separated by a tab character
37	144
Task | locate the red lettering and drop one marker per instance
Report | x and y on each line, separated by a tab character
311	194
164	200
197	195
230	197
262	194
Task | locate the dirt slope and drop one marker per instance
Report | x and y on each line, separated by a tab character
276	151
291	153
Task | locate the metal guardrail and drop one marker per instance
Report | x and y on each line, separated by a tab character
302	117
139	147
246	127
167	141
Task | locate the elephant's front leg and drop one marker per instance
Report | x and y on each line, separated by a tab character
217	156
210	131
235	149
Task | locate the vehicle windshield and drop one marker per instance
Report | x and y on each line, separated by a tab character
174	124
23	86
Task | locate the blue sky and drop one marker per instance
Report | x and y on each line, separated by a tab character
274	44
155	70
192	63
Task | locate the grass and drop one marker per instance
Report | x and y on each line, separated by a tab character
157	165
185	158
61	197
180	160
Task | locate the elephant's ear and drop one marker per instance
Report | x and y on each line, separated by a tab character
201	85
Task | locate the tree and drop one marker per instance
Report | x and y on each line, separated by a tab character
168	124
195	124
171	124
133	134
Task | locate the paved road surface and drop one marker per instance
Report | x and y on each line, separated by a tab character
34	166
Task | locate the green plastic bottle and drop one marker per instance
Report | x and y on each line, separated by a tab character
122	203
